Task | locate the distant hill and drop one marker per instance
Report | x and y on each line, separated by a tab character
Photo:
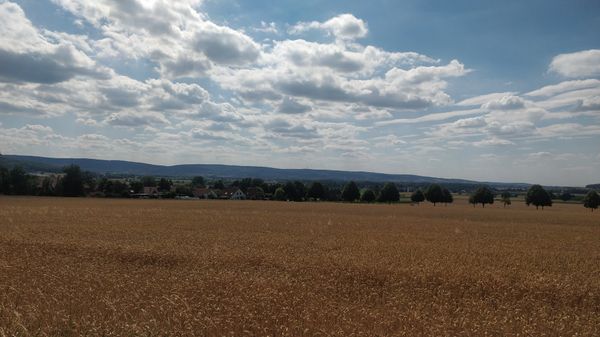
119	167
593	186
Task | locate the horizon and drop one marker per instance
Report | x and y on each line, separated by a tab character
395	88
299	168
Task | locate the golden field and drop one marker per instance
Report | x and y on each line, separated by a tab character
99	267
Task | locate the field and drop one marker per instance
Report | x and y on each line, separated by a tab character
100	267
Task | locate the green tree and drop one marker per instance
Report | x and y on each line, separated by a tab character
18	181
591	200
368	196
316	191
333	193
218	185
448	198
119	189
48	188
566	196
505	198
300	190
280	194
72	182
537	196
434	194
198	181
483	195
137	186
4	180
165	184
417	196
149	181
184	190
350	193
389	193
472	201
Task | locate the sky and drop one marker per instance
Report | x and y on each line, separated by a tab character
504	91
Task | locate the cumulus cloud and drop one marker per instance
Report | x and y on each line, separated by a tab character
173	34
224	45
505	103
343	27
265	27
280	127
291	106
416	88
584	63
135	119
27	56
493	142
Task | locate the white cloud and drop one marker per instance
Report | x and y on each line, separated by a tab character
504	103
482	99
555	89
291	106
493	142
135	119
26	55
343	27
224	45
589	104
434	117
584	63
173	34
270	27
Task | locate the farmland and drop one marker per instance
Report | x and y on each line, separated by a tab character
101	267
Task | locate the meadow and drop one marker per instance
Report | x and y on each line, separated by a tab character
102	267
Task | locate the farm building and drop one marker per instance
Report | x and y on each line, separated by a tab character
232	193
205	193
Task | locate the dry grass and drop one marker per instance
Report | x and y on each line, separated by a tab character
154	268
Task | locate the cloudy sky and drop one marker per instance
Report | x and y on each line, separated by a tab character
486	90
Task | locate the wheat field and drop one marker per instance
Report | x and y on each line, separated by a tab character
99	267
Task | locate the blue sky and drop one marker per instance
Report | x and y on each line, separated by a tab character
486	90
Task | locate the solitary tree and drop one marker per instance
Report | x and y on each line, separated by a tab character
448	198
472	200
350	193
389	193
434	194
367	196
279	194
506	198
537	196
72	182
316	191
417	196
483	195
591	200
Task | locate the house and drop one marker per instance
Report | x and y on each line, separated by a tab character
205	193
151	191
232	193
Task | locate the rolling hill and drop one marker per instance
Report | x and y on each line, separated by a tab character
119	167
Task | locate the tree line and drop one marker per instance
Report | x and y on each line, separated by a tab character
74	182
